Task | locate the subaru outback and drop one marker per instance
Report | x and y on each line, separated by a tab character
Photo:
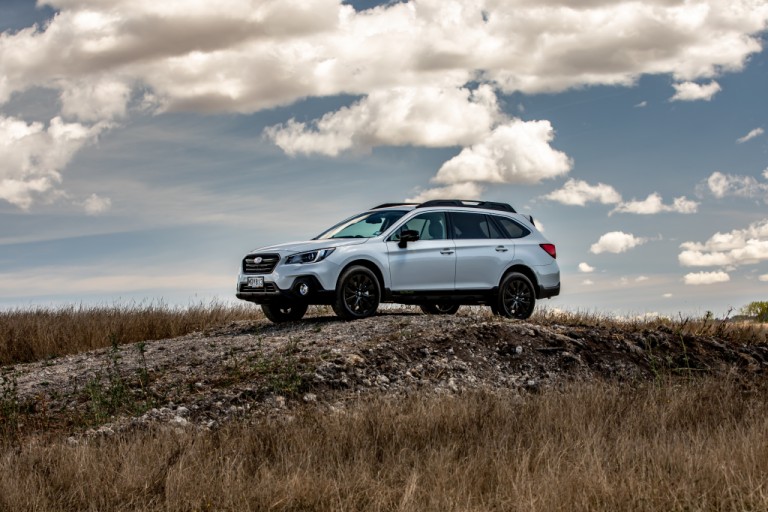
439	255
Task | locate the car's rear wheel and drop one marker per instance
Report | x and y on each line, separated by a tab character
440	308
357	294
286	312
516	297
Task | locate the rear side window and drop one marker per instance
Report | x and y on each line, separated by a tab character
512	228
474	226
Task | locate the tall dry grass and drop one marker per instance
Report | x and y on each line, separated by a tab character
589	447
30	334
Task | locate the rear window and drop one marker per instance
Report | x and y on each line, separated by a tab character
512	229
474	226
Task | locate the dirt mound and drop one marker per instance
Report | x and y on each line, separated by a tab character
256	368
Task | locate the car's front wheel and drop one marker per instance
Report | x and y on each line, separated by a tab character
440	308
357	294
516	297
279	313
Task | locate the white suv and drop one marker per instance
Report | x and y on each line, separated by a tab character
438	254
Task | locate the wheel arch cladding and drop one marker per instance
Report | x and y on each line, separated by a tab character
527	272
370	266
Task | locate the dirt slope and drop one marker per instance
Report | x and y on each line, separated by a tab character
204	379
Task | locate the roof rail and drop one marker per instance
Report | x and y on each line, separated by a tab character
387	205
488	205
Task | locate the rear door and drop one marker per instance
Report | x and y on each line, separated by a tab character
426	264
483	252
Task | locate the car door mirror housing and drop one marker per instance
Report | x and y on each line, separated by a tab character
409	235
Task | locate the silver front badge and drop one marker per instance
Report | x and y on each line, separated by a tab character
257	260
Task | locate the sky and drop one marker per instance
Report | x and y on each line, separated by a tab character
146	146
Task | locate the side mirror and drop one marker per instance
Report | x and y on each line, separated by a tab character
409	235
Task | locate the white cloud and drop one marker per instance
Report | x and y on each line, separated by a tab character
691	91
421	116
243	56
94	100
468	190
642	104
763	278
616	242
95	205
32	156
667	295
653	204
697	278
514	152
722	185
765	173
586	267
579	193
640	279
587	282
751	135
737	247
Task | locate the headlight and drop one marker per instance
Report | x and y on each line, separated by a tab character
308	257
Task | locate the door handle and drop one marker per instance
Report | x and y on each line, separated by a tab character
501	248
446	251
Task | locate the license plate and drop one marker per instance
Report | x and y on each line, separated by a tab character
256	282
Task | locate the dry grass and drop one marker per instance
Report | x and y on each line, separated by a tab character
589	447
37	333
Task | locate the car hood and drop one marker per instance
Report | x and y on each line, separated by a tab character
310	245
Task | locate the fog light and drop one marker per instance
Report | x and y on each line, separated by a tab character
303	289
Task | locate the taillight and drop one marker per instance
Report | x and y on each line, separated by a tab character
550	248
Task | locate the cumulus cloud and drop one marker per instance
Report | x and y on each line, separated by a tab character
33	155
515	152
586	267
723	185
653	204
579	193
468	190
763	278
691	91
421	116
751	135
738	247
697	278
616	242
242	56
96	205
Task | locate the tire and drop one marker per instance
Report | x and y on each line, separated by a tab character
286	312
440	308
357	293
516	297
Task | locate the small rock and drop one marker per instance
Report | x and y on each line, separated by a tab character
382	379
178	420
518	350
182	411
310	397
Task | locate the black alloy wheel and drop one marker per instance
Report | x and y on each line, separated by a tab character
516	297
440	308
357	294
286	312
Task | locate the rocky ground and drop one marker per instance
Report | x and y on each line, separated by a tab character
253	369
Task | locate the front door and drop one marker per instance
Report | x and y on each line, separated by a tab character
426	264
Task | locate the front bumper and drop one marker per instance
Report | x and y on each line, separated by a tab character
271	293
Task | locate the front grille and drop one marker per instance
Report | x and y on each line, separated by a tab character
268	288
265	266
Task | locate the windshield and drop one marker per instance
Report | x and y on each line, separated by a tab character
366	225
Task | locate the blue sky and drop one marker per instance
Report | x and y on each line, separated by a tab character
145	146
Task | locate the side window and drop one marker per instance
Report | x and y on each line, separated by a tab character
431	226
513	229
471	226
